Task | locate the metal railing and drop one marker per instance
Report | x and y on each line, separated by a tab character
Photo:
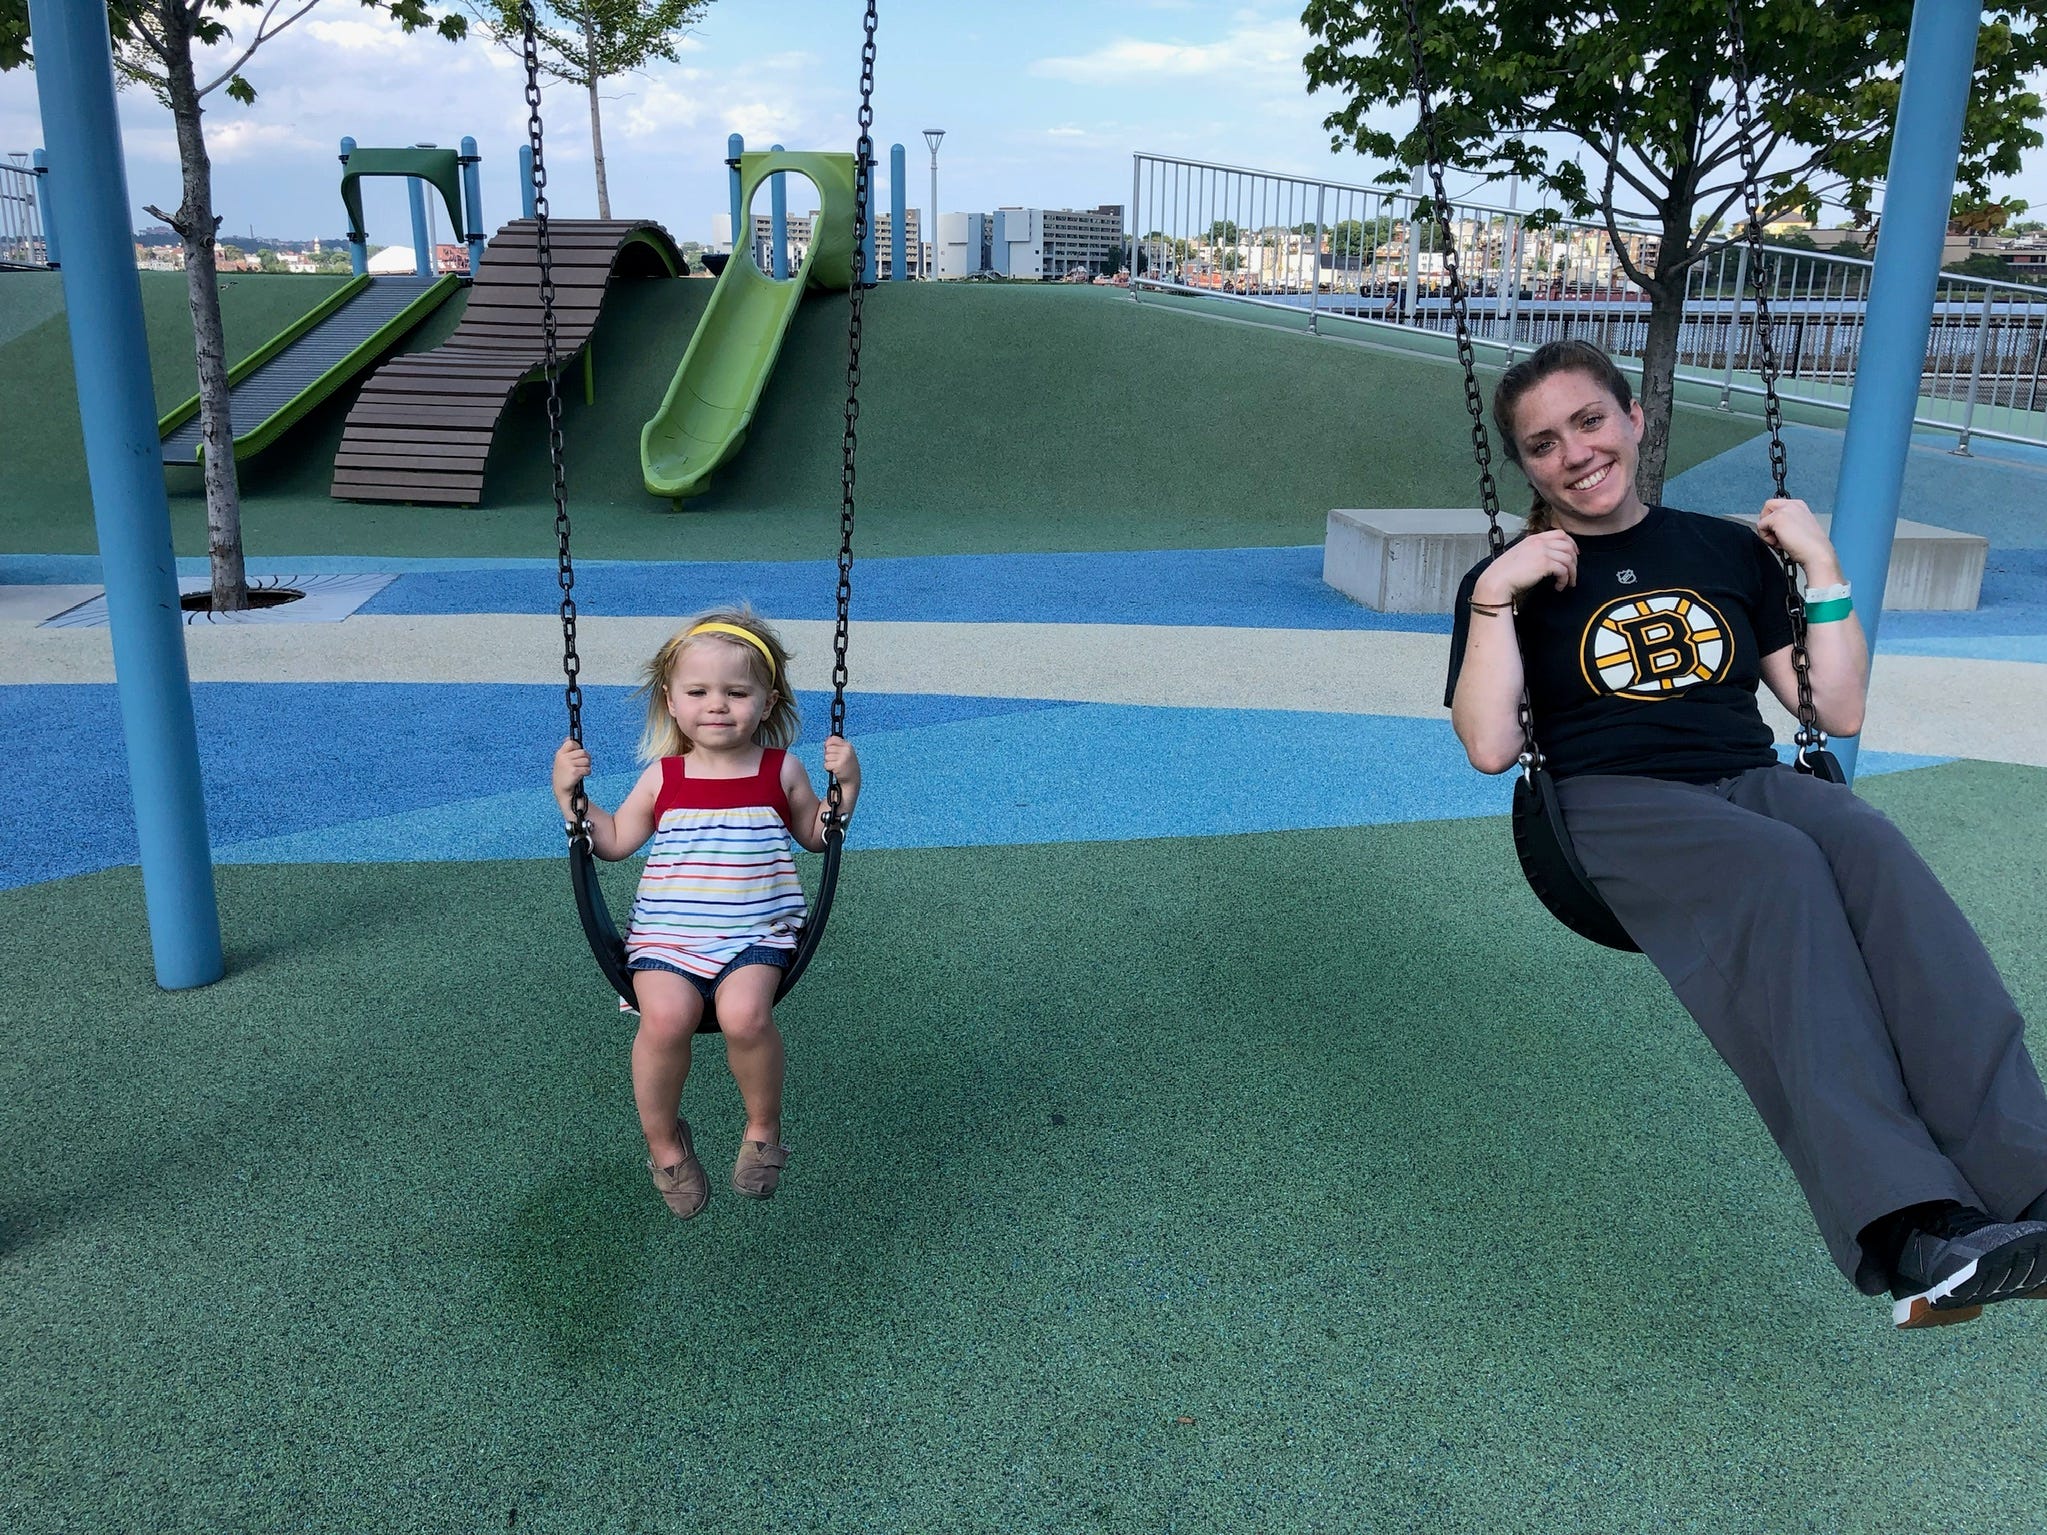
1358	256
21	226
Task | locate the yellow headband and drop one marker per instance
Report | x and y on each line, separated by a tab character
738	633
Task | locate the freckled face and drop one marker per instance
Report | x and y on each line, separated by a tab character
1579	450
714	696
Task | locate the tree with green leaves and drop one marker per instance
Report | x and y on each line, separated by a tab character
1646	93
155	42
1352	240
586	42
1983	264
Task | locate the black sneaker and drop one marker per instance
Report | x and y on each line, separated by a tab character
1951	1273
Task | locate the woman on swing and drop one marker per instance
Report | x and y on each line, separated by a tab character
1813	946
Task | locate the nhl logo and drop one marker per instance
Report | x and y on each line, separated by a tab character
1626	578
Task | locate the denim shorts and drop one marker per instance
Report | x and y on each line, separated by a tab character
752	954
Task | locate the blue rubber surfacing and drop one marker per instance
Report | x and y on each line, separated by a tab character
352	772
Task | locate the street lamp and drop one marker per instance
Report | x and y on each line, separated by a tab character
932	137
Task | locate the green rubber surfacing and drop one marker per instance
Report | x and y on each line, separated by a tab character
1419	1215
994	418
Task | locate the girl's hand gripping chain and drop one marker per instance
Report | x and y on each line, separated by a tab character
571	767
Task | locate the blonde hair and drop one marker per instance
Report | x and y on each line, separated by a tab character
779	726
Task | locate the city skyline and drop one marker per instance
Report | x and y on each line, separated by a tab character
1043	107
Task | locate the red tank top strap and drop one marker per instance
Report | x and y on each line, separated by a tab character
679	791
770	781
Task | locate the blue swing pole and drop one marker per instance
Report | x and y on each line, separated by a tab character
1940	59
117	408
898	268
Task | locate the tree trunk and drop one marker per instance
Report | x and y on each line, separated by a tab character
195	223
1666	292
596	124
1659	384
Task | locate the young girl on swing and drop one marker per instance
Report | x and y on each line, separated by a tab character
719	905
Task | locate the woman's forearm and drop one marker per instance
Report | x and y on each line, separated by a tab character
1838	654
1485	711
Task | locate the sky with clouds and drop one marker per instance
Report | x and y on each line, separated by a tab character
1043	104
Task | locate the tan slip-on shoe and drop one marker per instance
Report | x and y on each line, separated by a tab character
684	1187
759	1168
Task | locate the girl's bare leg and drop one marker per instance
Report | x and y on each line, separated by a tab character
753	1046
669	1009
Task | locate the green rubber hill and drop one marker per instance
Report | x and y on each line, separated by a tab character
1039	409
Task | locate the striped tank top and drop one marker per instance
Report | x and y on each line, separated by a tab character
719	874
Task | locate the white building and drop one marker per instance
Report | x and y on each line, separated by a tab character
1082	237
964	244
1019	241
916	254
1030	242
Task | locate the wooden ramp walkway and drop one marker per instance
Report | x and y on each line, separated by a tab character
422	427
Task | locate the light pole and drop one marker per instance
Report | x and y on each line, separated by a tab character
932	137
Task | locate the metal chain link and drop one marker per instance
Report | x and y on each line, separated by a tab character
565	570
863	177
1474	399
1762	277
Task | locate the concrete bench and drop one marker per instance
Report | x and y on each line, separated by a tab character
1932	569
1410	560
1406	559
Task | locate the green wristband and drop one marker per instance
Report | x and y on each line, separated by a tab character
1831	611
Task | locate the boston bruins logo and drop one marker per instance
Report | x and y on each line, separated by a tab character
1653	645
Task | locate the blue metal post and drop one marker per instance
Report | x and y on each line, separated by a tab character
898	269
778	222
529	203
472	202
117	408
1939	63
742	232
422	249
41	162
358	239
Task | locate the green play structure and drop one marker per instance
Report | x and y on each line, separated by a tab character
317	354
704	415
282	380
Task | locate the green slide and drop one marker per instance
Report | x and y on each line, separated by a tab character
704	416
306	362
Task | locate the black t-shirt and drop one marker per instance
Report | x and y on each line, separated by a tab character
1649	664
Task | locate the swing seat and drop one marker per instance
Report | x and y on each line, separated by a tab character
1550	863
607	946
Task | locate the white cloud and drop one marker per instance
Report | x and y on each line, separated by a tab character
1258	46
228	142
776	99
380	36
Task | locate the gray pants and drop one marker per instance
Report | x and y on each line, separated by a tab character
1829	968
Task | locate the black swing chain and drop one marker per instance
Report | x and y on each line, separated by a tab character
1762	278
863	169
1474	399
565	570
